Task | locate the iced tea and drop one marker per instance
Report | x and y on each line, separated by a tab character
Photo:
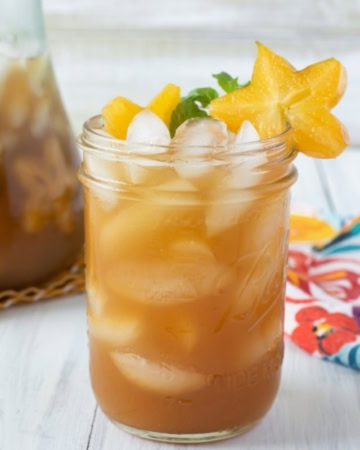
185	282
40	198
186	219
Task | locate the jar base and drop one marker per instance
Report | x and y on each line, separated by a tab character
191	438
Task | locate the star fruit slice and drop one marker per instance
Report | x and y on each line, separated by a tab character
279	95
120	111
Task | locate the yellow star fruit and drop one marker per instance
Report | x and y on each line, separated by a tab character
279	96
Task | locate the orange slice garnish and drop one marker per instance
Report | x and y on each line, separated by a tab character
118	114
120	111
309	228
279	95
165	102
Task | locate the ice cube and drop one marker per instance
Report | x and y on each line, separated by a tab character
155	282
40	118
149	174
103	170
157	377
266	336
18	113
191	249
247	133
231	137
168	281
246	172
138	174
147	128
243	173
193	170
269	223
194	135
129	171
99	168
193	139
175	191
114	331
130	228
184	331
224	212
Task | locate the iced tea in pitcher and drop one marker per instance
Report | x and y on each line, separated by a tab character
186	220
40	198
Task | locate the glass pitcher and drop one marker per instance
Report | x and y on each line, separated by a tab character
41	228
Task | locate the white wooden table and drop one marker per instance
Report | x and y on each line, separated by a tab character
102	50
46	402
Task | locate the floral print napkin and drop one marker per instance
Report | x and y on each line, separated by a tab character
322	313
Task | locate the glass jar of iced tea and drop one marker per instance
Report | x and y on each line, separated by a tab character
186	251
40	197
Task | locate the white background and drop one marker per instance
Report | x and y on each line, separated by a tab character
103	48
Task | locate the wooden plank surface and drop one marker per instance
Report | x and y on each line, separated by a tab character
46	401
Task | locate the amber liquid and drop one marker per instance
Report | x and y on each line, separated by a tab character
185	324
40	198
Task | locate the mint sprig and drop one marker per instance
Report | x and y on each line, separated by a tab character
186	109
191	106
194	103
228	83
203	95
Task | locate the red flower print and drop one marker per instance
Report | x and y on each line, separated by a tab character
323	331
306	271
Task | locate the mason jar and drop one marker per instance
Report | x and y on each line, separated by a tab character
186	255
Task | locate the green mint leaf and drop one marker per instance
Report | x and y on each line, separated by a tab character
228	83
186	109
203	95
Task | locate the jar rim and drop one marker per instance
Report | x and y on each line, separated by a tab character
269	156
95	140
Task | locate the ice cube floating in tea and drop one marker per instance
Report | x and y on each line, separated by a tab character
185	279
